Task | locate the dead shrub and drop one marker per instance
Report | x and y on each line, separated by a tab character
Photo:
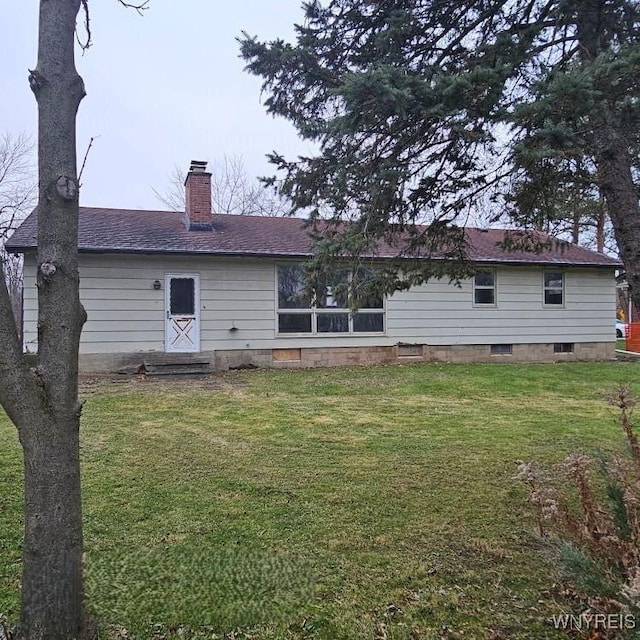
587	510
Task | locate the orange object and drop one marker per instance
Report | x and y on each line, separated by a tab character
633	337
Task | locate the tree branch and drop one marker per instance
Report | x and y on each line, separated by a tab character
84	45
86	155
139	7
17	387
87	27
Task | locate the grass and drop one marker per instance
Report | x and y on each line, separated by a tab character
329	503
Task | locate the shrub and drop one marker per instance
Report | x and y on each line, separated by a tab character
587	510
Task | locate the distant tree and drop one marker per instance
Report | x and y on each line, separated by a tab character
422	109
42	400
232	191
17	195
16	179
577	216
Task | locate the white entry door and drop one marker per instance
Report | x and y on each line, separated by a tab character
182	333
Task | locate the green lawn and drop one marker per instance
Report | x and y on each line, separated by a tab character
334	504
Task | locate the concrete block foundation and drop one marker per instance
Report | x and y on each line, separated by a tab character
355	356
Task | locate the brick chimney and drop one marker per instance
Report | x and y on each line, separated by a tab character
198	197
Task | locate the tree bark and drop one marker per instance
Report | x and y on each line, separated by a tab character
611	153
601	220
52	592
615	181
575	228
43	401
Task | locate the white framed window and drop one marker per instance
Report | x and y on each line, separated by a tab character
484	288
326	310
553	288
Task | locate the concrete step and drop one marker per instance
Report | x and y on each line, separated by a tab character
187	367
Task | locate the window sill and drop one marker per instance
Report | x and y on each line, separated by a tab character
360	334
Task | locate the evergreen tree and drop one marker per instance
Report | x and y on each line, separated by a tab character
423	109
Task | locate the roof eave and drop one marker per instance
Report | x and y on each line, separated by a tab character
296	254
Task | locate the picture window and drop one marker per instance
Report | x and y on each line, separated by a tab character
326	309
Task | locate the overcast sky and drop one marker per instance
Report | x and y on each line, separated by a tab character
161	90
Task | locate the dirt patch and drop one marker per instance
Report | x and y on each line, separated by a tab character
90	384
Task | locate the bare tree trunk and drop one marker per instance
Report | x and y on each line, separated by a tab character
575	228
601	219
43	402
616	185
12	267
52	593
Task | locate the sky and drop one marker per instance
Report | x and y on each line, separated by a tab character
162	89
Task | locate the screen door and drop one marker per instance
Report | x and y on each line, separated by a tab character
183	313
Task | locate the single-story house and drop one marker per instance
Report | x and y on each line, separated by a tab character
224	287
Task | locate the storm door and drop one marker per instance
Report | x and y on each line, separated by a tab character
182	333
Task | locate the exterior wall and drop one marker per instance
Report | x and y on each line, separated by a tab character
440	314
238	316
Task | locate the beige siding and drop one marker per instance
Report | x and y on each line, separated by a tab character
29	304
439	313
125	312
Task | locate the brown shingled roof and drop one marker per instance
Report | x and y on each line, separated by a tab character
135	231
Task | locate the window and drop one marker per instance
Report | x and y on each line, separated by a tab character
484	288
501	349
331	302
182	296
294	323
563	347
326	311
553	288
293	298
